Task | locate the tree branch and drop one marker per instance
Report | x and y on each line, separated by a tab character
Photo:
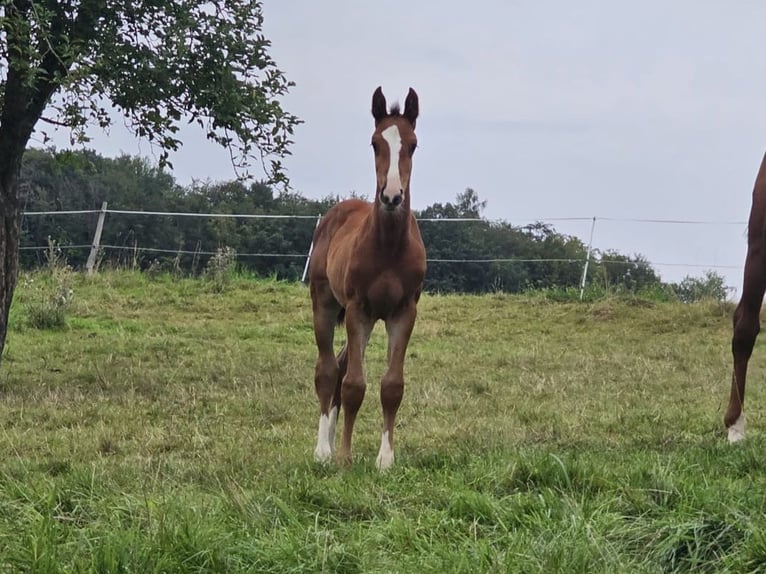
53	122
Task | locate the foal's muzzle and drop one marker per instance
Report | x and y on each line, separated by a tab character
389	201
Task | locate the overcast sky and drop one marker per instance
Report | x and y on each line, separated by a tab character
649	109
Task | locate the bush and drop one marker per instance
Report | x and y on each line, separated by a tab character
711	286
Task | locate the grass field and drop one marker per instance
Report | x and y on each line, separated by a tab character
170	428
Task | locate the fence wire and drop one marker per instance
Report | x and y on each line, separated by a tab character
508	260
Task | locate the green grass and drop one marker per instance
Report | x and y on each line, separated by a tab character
170	428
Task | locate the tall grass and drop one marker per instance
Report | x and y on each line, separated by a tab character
168	427
50	293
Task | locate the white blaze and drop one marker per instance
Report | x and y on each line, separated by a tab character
326	436
393	178
386	455
737	430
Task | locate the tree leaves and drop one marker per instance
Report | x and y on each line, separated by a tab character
159	63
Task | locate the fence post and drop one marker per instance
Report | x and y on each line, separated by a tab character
587	258
91	263
311	248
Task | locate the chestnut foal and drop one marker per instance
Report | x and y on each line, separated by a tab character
368	263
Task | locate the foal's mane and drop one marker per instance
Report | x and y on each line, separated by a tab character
395	110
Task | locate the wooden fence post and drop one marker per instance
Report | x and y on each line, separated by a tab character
91	263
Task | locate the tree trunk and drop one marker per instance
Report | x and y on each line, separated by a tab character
25	93
10	229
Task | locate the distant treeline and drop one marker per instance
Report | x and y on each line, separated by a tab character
82	180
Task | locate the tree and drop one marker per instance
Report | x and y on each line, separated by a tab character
631	273
467	205
158	62
711	286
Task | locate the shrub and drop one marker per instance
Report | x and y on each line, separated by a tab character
711	286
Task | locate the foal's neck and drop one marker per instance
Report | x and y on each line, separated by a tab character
390	228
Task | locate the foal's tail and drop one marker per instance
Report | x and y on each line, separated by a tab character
342	358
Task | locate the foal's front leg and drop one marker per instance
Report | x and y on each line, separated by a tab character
399	329
358	328
325	311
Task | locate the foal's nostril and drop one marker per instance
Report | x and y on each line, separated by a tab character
397	199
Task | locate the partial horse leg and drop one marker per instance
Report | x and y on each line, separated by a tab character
358	327
746	327
399	329
326	371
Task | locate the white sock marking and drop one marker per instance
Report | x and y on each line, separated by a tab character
737	430
386	454
326	436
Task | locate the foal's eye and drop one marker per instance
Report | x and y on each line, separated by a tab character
374	146
412	148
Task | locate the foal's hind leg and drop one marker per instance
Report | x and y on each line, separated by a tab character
326	372
399	329
358	327
746	328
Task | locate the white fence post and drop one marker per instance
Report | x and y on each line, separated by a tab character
587	258
91	263
311	248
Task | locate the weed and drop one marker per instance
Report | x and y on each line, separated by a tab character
220	268
53	295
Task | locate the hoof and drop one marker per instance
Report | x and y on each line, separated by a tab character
323	454
385	458
385	461
344	459
737	430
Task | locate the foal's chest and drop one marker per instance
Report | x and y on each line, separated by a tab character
384	291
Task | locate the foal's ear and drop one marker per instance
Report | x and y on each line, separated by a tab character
379	109
411	107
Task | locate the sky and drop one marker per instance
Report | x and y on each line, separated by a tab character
547	109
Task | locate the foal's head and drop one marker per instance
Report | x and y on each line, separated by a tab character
394	143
